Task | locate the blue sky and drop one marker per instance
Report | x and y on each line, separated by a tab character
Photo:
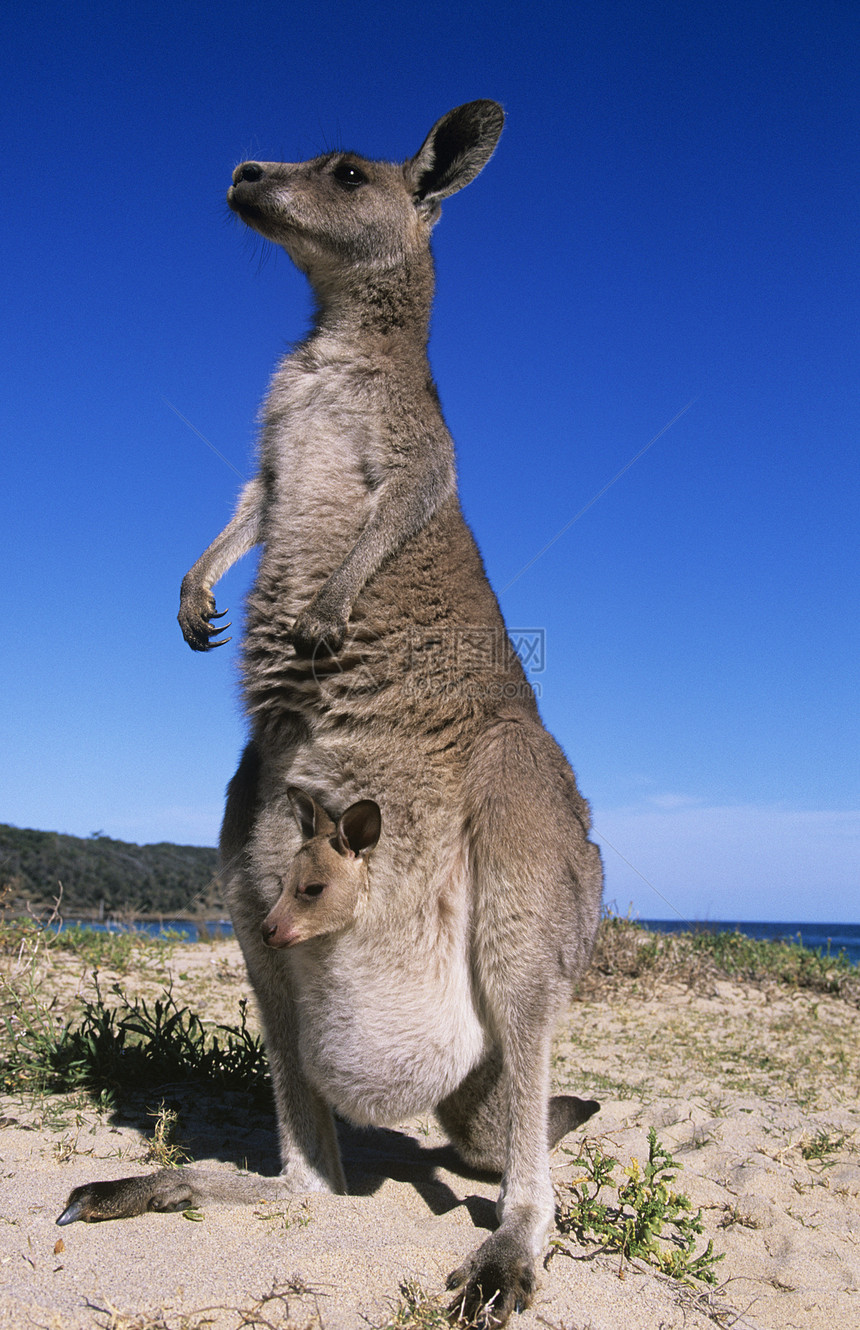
670	218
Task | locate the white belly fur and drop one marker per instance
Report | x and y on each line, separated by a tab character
382	1044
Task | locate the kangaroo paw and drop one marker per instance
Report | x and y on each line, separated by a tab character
124	1197
496	1280
196	618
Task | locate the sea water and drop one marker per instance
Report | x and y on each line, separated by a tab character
182	929
828	937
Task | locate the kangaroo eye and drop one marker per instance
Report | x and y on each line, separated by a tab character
313	889
349	176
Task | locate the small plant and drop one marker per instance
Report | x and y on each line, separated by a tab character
32	936
416	1310
626	950
646	1206
732	1215
103	949
815	1149
290	1216
163	1149
67	1148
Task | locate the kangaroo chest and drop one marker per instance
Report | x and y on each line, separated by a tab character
321	431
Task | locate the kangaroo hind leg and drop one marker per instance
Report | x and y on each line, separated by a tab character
536	903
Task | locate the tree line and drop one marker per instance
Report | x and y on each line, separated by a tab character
101	876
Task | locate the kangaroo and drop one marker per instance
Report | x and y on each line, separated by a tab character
375	661
328	875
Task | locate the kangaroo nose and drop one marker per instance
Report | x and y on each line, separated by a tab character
249	171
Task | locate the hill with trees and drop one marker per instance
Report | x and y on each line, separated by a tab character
105	877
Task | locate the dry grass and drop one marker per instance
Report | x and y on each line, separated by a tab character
276	1310
627	956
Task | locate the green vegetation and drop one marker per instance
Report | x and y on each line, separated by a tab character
100	874
625	950
163	1148
132	1045
98	950
417	1310
824	1143
648	1220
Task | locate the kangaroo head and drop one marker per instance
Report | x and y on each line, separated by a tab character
322	889
341	213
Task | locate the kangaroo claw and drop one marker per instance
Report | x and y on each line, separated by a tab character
72	1212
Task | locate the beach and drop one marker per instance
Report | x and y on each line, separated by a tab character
752	1087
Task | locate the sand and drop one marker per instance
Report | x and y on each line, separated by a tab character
755	1090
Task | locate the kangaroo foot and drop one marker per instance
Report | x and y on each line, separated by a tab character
169	1189
496	1280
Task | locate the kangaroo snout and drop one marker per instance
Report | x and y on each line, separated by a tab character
242	193
284	925
278	932
250	171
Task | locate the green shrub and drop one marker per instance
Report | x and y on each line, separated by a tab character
648	1220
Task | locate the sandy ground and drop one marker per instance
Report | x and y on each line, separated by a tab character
740	1082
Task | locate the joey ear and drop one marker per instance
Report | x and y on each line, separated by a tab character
359	828
312	819
456	149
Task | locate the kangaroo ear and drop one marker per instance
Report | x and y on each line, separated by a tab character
456	149
359	827
312	819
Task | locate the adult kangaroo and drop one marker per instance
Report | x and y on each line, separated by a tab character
375	664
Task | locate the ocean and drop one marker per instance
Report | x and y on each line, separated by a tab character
829	937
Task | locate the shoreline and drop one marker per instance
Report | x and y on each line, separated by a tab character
832	943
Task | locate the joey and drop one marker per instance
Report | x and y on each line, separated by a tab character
328	874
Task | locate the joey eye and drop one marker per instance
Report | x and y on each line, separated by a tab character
313	890
349	176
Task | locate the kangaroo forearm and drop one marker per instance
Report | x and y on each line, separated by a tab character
402	512
196	602
239	536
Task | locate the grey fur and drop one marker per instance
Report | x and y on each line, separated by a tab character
376	664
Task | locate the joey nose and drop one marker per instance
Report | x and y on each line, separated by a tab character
268	931
250	171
